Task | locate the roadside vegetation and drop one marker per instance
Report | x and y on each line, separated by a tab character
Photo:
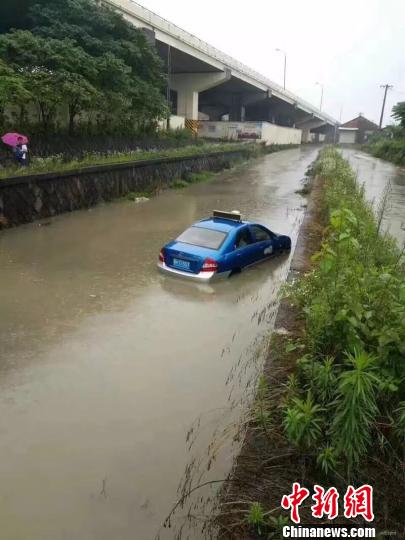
58	164
330	408
348	400
390	143
195	178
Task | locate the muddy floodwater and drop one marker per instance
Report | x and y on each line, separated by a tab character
105	364
380	177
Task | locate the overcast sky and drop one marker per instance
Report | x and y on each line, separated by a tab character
351	46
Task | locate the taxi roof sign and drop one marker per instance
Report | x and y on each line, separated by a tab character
235	215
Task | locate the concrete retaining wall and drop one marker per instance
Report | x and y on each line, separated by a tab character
28	198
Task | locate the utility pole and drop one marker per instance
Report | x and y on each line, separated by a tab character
285	63
321	85
387	87
168	100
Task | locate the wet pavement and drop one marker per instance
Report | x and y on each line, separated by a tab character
105	364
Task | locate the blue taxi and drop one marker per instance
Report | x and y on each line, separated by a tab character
220	246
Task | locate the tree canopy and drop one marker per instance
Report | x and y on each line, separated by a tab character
78	57
398	112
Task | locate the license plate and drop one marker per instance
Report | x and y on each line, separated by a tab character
183	265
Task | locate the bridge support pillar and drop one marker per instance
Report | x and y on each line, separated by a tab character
235	113
306	125
306	135
187	103
188	86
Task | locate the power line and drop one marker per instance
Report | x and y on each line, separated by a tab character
387	87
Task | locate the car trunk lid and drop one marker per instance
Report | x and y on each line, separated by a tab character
186	257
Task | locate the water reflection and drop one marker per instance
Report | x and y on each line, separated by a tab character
245	283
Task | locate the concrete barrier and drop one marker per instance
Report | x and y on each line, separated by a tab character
28	198
259	131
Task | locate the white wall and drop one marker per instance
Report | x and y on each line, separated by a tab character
317	137
262	131
273	134
176	122
347	137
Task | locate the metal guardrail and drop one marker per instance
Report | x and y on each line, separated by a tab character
165	26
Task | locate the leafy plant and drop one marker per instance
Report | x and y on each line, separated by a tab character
398	113
303	422
356	408
256	517
324	380
327	460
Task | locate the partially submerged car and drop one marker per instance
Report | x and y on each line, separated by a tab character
220	246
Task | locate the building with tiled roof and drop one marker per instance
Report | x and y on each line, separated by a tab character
357	130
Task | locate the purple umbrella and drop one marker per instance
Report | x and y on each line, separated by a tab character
11	139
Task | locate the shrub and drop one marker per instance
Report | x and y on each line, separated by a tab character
389	149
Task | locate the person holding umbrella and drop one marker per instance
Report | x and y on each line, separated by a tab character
19	143
21	152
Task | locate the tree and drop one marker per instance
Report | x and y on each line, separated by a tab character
43	84
79	95
55	71
84	57
398	113
12	89
106	35
13	14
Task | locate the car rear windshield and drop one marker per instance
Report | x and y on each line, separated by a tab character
198	236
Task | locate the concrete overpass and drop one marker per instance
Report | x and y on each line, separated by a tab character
206	82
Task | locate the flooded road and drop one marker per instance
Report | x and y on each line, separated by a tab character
105	363
376	175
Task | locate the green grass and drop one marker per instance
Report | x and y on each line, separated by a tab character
352	372
202	176
56	163
192	178
132	195
178	183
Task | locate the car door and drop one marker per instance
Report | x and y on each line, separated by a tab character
243	249
265	242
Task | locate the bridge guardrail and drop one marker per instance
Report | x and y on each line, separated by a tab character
156	21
